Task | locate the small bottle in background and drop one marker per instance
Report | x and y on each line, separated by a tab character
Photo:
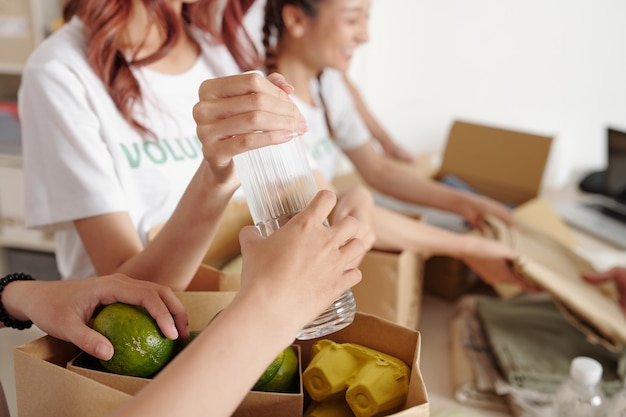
580	395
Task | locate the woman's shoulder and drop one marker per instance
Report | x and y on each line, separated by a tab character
216	54
66	45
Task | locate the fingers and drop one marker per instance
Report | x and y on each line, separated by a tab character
352	276
247	103
279	81
316	212
169	313
243	112
353	250
242	142
248	235
598	277
89	340
246	113
240	84
159	301
321	205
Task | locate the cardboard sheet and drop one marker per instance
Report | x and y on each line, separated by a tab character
557	269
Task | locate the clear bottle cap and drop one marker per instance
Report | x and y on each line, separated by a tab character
586	371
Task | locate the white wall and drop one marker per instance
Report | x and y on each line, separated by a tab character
553	67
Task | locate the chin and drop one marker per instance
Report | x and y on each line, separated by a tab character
343	67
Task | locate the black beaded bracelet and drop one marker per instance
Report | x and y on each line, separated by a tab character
7	320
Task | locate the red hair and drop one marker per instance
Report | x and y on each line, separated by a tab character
234	36
105	20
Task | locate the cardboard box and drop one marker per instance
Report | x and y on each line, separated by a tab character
503	164
45	387
391	285
447	278
290	404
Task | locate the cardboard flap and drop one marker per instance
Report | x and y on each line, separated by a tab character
503	164
389	338
593	312
538	213
48	389
226	241
201	311
557	269
391	286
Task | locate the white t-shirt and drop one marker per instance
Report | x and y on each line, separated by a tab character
348	127
82	159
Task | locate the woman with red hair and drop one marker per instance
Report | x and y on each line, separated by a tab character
125	127
116	142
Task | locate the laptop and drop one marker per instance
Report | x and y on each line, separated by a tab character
601	212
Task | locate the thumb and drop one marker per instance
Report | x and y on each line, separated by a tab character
248	235
90	341
279	80
597	278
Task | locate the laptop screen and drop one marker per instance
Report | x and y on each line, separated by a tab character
615	178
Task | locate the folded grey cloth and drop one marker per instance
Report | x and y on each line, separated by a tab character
533	344
557	269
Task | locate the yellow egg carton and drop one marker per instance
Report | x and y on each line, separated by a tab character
371	382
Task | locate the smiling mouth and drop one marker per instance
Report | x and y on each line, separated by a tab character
348	51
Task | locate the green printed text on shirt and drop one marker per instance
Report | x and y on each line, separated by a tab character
162	151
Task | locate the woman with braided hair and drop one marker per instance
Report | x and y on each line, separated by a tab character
311	43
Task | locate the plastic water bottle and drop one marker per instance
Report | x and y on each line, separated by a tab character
617	404
278	183
580	395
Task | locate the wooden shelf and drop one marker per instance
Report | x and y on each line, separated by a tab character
27	241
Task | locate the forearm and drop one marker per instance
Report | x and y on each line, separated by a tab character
402	183
175	253
397	232
217	369
15	300
372	124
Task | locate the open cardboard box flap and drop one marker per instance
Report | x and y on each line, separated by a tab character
503	164
45	387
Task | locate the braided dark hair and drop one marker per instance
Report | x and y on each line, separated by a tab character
274	27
